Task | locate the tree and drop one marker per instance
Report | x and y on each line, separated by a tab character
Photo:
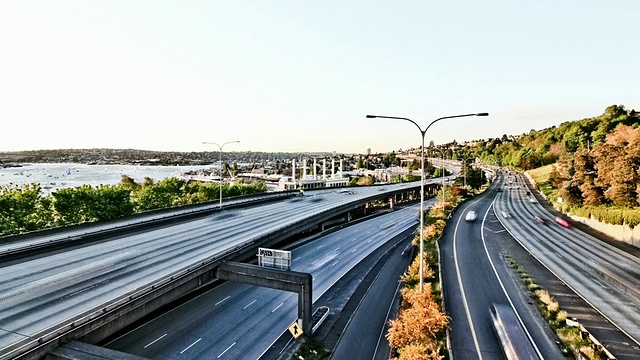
21	209
584	175
617	164
419	323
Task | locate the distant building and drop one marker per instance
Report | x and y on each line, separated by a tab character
313	181
368	151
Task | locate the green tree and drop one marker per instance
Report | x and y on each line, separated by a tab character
22	209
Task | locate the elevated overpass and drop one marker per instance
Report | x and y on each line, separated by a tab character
95	289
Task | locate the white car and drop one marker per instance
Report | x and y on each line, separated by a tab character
471	216
505	214
532	200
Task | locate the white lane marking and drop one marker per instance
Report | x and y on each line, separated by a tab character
354	250
335	263
153	342
486	250
249	304
464	297
225	350
221	301
336	249
277	307
560	256
296	258
382	330
369	241
598	282
188	347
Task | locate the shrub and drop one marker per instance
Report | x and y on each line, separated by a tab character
543	296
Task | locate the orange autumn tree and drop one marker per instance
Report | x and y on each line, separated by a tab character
411	277
417	326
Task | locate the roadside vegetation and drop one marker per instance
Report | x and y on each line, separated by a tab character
25	208
419	331
588	167
571	337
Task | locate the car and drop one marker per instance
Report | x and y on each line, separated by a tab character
532	200
562	222
505	214
471	216
540	220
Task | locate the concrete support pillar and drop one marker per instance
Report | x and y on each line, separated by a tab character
324	169
391	203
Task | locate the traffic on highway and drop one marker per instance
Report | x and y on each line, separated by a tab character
238	321
603	275
63	288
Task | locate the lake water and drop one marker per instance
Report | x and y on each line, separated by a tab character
57	176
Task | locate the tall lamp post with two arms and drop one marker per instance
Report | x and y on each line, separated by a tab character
422	133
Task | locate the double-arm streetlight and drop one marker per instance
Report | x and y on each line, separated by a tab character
422	133
220	147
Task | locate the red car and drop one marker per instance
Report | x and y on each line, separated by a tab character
562	222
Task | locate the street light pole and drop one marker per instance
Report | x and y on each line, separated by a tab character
443	173
220	147
422	133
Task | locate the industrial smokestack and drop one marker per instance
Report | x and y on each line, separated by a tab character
324	169
293	170
304	169
333	168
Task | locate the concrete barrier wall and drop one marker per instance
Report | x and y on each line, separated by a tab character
622	233
619	232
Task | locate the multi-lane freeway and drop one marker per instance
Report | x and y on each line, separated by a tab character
54	290
605	276
475	277
237	321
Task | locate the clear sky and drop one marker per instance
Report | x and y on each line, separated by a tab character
301	75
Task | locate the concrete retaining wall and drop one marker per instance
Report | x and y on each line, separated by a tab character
619	232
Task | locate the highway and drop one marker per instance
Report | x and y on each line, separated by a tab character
605	276
475	276
47	292
238	321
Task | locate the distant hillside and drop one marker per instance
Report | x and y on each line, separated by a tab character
596	163
142	157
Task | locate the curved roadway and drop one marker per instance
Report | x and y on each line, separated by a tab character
475	276
238	321
41	294
605	276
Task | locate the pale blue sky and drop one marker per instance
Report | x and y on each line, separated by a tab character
302	75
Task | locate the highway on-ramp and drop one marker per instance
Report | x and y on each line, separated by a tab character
238	321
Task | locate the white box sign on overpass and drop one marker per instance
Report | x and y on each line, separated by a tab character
279	259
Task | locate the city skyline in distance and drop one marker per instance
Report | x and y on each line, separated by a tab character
300	77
